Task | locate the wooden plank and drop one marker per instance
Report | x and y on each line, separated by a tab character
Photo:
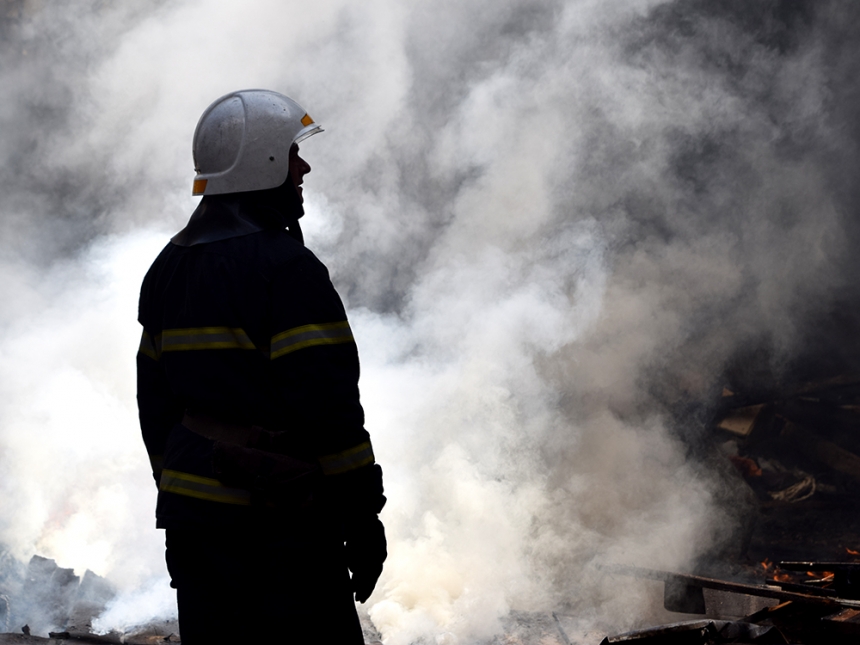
763	591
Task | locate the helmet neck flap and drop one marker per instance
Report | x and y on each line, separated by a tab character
220	217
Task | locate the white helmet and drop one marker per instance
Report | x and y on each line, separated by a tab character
242	141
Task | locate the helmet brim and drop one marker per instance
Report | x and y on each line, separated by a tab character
306	132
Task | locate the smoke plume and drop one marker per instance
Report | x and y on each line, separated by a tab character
560	228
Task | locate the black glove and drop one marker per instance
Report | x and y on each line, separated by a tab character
360	491
365	553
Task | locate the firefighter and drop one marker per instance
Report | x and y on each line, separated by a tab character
248	397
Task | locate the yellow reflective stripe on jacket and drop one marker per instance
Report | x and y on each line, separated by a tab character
148	347
173	481
194	338
341	462
309	335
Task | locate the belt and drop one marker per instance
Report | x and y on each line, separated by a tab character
216	430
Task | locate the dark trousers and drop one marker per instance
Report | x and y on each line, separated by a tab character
243	587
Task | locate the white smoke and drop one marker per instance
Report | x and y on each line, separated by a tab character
552	221
74	486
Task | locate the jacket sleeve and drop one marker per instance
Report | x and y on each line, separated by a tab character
315	369
158	409
315	364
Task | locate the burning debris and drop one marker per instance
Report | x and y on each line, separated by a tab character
799	452
791	446
810	612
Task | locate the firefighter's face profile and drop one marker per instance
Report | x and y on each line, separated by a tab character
298	169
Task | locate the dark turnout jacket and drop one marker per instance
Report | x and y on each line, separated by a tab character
248	330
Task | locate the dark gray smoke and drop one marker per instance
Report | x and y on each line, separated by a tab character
561	228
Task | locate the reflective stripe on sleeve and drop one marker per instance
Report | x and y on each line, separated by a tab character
341	462
173	481
309	335
147	347
179	340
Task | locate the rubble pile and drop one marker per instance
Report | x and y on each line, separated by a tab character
814	607
800	444
43	602
45	597
798	579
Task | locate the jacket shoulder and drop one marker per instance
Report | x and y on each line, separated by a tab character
266	252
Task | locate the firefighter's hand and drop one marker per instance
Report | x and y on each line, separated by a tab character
365	553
